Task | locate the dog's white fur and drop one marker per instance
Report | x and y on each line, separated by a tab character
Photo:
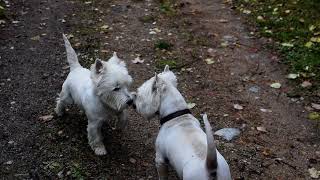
180	141
101	92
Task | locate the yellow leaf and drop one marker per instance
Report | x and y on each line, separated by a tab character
315	39
308	44
312	27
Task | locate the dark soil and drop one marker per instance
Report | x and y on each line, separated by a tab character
33	68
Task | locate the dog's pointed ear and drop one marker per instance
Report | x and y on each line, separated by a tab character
166	69
115	59
98	66
155	83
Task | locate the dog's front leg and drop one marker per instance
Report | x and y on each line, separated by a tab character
162	167
95	137
122	120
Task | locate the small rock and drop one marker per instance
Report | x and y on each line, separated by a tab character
11	142
306	84
132	160
237	106
228	133
60	132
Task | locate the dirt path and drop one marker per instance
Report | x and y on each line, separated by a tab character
33	68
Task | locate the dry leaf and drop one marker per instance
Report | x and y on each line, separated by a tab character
237	106
209	61
315	106
137	60
275	85
262	129
46	118
191	105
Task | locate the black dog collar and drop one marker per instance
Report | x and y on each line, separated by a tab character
174	115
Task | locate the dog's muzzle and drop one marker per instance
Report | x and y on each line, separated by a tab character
130	102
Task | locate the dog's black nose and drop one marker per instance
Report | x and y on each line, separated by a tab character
130	102
134	106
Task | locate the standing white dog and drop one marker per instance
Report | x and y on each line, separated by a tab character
181	142
102	93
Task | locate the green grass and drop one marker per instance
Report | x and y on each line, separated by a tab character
2	10
167	7
163	45
160	64
296	22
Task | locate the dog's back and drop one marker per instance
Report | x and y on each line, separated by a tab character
184	143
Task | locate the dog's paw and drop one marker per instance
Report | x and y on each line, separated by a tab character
100	151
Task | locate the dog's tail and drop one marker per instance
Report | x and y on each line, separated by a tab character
211	160
71	54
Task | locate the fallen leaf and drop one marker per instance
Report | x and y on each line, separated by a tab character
137	60
8	162
104	27
191	105
287	11
245	11
209	61
260	18
314	116
266	152
237	106
287	44
308	44
46	118
228	133
262	129
312	27
314	173
35	38
63	20
2	21
305	84
292	76
275	85
223	20
265	110
224	44
315	39
104	51
315	106
15	22
132	160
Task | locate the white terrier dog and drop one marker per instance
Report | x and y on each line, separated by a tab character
102	93
181	142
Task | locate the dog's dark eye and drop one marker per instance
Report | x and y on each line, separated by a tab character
116	89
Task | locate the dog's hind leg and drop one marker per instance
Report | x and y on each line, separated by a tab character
63	100
162	167
95	137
